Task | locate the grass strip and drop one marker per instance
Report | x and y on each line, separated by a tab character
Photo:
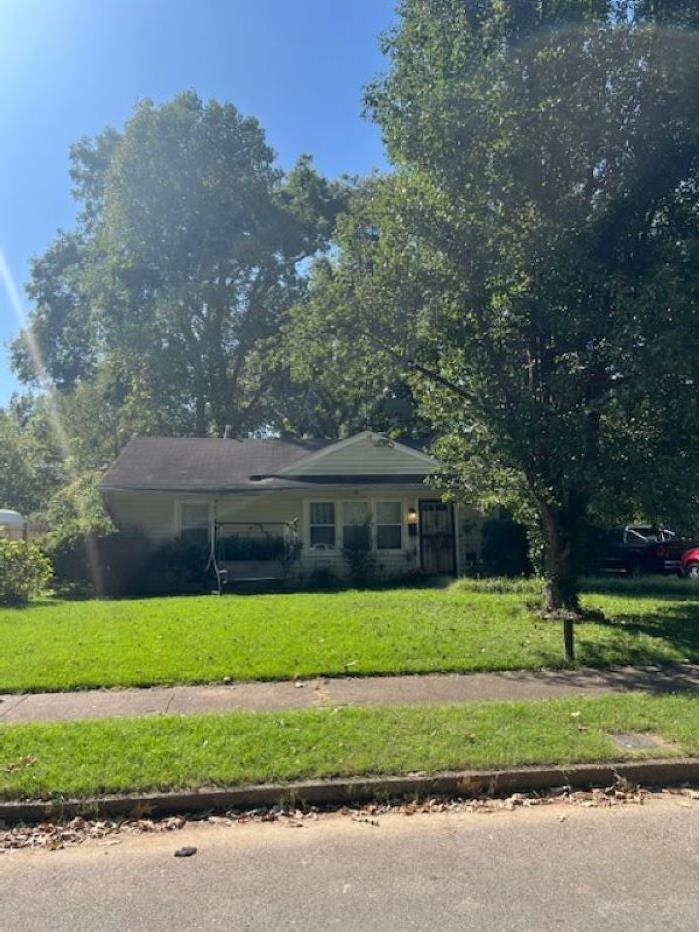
55	646
87	758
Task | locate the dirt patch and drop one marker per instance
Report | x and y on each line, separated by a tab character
640	741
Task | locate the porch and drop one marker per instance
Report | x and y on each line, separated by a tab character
254	552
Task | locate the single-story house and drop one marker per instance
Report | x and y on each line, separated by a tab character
257	502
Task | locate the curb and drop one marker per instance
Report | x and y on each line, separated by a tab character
357	790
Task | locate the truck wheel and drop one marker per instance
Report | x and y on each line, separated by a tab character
692	570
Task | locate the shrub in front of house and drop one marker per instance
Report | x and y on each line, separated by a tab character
361	565
175	568
24	571
236	547
505	548
103	565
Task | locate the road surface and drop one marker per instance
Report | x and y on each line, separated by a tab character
552	867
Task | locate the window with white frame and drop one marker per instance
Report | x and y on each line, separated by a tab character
322	524
389	526
356	526
194	523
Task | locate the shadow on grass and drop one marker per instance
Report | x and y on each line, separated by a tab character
661	587
670	636
33	603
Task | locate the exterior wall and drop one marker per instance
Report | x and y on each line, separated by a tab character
265	506
148	513
387	562
156	515
362	455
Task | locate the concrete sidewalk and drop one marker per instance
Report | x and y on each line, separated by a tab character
348	691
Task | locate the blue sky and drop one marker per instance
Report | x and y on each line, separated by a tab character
68	68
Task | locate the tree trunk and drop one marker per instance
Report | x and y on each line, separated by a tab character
200	415
560	527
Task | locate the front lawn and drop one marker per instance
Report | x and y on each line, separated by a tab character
173	753
69	645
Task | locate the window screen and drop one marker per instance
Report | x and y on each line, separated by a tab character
194	523
322	523
389	526
356	525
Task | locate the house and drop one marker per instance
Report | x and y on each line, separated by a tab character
257	504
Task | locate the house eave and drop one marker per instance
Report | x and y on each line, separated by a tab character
269	485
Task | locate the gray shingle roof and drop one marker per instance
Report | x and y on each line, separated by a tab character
198	464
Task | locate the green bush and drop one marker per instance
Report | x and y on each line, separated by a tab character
235	547
97	565
174	568
505	548
24	571
501	585
361	564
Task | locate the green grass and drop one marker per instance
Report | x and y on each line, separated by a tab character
67	645
173	753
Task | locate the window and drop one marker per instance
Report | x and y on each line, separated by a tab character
194	523
389	526
356	526
322	524
349	525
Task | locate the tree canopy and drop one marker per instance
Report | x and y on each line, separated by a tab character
533	257
184	258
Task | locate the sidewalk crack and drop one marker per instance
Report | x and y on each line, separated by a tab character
170	701
14	706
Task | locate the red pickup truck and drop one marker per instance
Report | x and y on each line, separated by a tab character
689	563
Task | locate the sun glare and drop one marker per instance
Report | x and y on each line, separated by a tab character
10	286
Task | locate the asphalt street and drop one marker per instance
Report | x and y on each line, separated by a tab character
553	867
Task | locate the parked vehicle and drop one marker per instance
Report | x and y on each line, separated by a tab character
640	548
689	563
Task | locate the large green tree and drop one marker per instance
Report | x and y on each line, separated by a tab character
533	258
184	258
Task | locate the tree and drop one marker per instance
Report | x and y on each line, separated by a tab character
30	463
184	259
533	258
339	381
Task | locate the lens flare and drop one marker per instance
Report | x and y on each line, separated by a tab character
49	392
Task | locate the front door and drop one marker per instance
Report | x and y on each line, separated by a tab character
437	550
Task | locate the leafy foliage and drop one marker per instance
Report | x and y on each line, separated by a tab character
505	548
185	257
533	258
24	571
341	379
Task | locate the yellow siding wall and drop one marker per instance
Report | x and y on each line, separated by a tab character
364	457
154	515
149	513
